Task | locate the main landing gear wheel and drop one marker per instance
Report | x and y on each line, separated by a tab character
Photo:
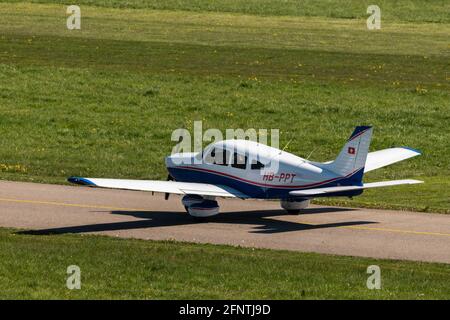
199	207
294	206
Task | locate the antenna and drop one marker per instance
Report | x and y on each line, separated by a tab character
307	158
287	144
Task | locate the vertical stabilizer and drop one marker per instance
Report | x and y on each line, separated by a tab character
352	158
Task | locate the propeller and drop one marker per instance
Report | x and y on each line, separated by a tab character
166	196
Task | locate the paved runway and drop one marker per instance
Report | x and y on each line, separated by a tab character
50	209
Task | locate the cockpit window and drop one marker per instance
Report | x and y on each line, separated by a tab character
239	161
218	156
256	165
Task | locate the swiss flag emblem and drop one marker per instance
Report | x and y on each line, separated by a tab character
351	150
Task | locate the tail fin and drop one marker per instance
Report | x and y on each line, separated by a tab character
352	158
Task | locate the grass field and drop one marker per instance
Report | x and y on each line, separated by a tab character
104	100
34	267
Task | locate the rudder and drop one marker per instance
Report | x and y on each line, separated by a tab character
351	160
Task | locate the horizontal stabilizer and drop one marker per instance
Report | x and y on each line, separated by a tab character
321	191
382	158
174	187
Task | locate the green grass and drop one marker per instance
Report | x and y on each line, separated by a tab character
34	267
104	101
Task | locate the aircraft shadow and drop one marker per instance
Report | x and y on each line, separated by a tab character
260	220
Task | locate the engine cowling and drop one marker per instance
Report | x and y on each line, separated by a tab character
294	206
206	208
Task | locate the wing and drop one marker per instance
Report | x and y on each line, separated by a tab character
203	189
382	158
322	191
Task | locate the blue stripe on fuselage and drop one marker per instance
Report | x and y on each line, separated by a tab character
256	191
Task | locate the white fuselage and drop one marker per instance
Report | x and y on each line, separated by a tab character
255	169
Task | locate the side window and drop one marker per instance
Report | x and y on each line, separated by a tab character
222	157
210	156
239	161
256	165
218	156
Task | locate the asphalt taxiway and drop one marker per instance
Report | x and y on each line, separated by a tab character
52	209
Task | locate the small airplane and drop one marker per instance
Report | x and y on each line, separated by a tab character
246	169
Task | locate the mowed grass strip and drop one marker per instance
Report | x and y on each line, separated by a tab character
233	30
104	102
35	267
414	73
402	10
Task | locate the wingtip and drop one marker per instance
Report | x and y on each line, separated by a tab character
412	149
81	181
411	181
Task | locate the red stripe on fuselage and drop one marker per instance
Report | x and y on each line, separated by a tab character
262	184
